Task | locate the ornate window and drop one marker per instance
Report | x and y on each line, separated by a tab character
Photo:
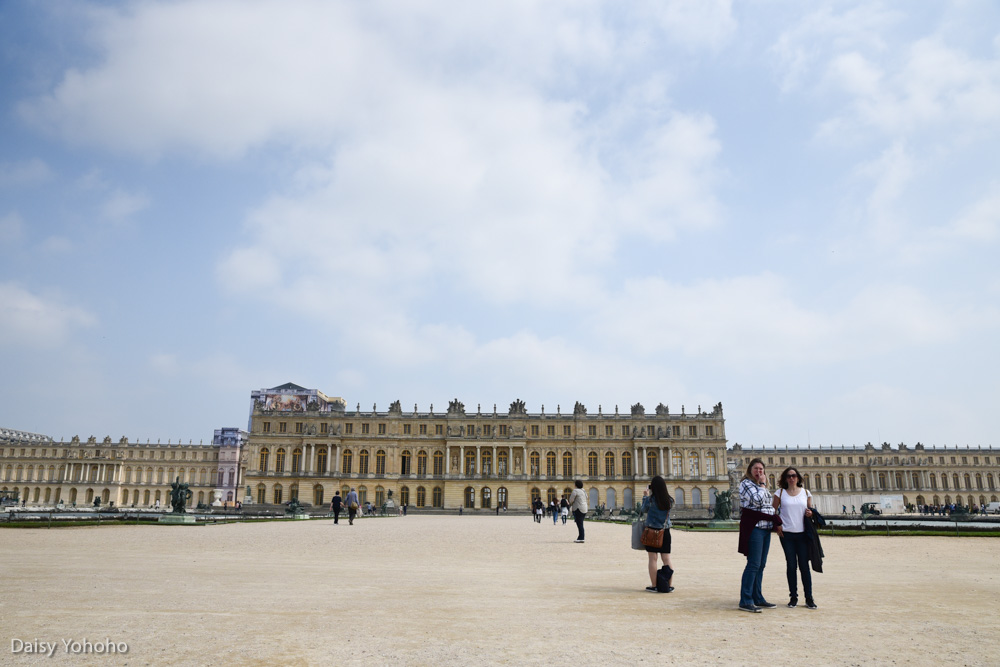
710	464
693	465
404	462
676	464
592	464
404	495
470	463
421	496
487	463
486	497
363	462
297	460
277	497
502	496
321	460
438	497
439	462
535	463
550	464
379	496
279	461
502	462
651	467
422	462
380	464
626	463
609	464
318	494
567	460
346	460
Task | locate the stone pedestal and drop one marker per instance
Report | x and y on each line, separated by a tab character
218	498
178	519
301	517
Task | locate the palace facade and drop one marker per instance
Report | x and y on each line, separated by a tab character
304	444
126	474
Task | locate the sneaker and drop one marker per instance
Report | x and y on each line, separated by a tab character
578	541
810	604
765	605
751	608
651	589
791	603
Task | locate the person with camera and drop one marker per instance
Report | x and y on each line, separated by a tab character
656	502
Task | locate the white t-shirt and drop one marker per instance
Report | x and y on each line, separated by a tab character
793	510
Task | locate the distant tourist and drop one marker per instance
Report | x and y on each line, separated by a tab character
564	510
578	503
336	505
794	505
352	505
657	502
757	519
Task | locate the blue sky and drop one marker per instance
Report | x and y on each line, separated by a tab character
792	208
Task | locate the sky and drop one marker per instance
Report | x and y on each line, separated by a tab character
790	208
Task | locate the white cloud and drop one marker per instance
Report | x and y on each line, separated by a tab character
20	174
122	205
37	321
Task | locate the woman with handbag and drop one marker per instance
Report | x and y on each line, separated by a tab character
794	505
656	534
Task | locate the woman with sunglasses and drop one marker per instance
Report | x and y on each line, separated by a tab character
794	505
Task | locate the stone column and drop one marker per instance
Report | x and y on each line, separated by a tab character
664	454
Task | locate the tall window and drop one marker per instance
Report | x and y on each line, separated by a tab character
693	464
438	497
609	464
502	462
651	467
404	462
363	462
550	464
346	463
379	496
470	497
535	463
421	496
279	461
470	462
676	464
422	462
710	464
380	463
297	460
567	464
277	494
404	495
264	454
261	494
487	463
439	462
486	497
318	494
626	463
592	464
321	460
502	496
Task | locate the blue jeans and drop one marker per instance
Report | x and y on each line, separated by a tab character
796	547
753	573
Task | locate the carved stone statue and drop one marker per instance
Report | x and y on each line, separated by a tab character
723	506
395	408
179	495
517	408
662	410
580	409
456	407
638	410
294	507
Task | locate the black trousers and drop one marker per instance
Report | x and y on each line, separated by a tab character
578	517
336	515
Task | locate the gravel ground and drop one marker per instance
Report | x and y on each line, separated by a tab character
429	590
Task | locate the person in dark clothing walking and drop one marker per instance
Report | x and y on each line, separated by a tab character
336	506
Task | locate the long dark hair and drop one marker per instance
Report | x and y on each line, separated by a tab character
658	487
783	482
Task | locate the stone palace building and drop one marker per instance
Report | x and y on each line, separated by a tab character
304	444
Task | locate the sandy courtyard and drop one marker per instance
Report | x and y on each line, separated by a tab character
456	590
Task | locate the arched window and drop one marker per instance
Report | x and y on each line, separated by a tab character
277	495
968	481
944	482
422	462
609	464
710	464
362	494
128	474
954	478
852	482
380	464
550	496
404	495
651	467
864	482
592	464
898	477
318	494
221	476
502	497
693	469
567	459
379	496
346	460
612	499
486	460
771	482
293	492
439	463
840	481
535	460
404	462
297	460
438	497
279	460
990	481
550	464
979	481
933	480
421	496
679	497
915	482
321	460
486	497
627	463
829	482
696	497
470	464
535	495
363	462
676	464
627	500
502	458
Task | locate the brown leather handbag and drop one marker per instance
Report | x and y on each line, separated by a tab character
652	537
